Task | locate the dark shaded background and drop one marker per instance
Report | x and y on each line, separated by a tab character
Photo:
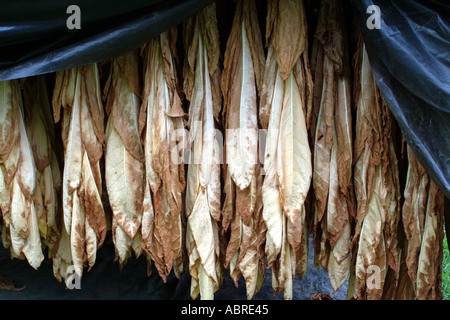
105	281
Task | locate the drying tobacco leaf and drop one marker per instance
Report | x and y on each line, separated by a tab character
429	273
77	92
203	196
242	210
285	105
20	218
286	23
376	180
332	122
62	259
124	156
371	247
272	211
162	116
9	124
423	225
243	62
414	211
41	133
294	156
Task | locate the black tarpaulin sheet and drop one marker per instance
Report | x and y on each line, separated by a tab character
410	58
35	39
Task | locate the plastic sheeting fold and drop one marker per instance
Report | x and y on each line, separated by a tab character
35	39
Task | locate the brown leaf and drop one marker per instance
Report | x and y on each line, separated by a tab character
270	87
240	100
126	103
77	235
294	166
324	140
90	197
124	177
228	208
414	211
367	150
93	97
330	32
429	278
288	34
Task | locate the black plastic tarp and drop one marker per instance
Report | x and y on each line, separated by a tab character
35	38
